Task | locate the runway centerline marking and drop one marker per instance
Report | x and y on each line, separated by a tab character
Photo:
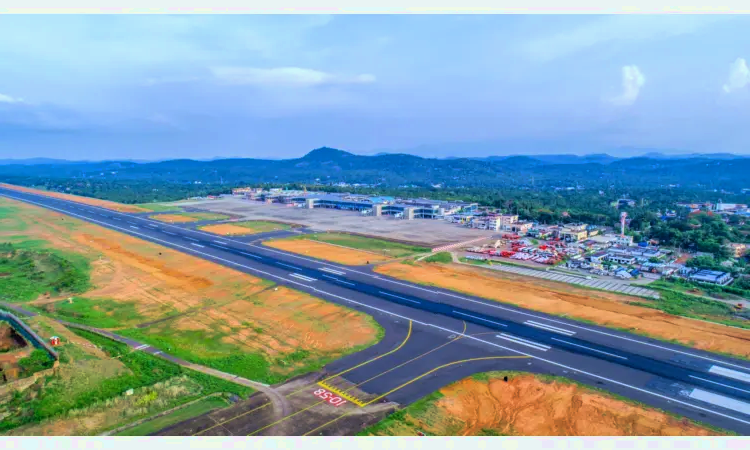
588	348
402	298
198	245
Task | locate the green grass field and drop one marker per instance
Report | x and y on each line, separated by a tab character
159	207
197	216
99	313
262	226
442	257
26	274
196	409
383	247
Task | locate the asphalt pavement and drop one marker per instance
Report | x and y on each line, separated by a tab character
454	335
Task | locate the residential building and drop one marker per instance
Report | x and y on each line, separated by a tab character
711	276
598	257
621	259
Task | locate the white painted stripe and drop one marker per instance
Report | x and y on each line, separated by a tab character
197	245
117	218
151	226
527	344
480	318
219	246
340	281
301	277
131	222
729	373
550	328
221	242
326	269
141	347
290	266
158	353
396	296
169	232
102	215
720	400
589	348
251	255
525	340
447	330
192	239
133	226
720	384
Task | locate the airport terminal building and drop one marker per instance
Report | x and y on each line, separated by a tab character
420	208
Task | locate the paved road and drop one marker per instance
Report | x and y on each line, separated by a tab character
700	385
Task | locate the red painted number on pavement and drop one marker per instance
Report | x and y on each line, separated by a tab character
330	397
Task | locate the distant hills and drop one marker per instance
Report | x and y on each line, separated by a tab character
329	165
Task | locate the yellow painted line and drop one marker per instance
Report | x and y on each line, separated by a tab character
441	367
327	423
285	418
342	394
233	418
408	335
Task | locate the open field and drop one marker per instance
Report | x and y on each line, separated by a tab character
197	310
602	308
160	207
326	251
196	409
345	248
529	405
76	198
430	233
188	217
245	227
87	395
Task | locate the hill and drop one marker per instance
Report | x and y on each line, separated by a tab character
329	165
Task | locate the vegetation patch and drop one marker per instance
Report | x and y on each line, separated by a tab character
27	274
380	246
189	217
196	409
85	381
682	304
99	313
442	257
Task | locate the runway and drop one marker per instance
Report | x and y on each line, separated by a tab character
456	335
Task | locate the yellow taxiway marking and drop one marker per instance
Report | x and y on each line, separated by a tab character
406	339
441	367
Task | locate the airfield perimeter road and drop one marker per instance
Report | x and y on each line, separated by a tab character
700	385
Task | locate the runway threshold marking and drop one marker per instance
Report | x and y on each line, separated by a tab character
441	367
342	394
527	343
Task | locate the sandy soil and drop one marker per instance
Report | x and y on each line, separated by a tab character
227	229
603	308
528	406
173	218
323	250
164	282
76	198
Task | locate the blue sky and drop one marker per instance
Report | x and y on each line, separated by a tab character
154	87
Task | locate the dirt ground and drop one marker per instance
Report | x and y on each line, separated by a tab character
529	406
173	218
76	198
328	252
227	229
196	293
606	309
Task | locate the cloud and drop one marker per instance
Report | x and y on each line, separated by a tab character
614	29
9	99
739	76
285	76
632	82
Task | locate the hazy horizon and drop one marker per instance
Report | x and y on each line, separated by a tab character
277	86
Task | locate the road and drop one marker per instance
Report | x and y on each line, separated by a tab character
700	385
